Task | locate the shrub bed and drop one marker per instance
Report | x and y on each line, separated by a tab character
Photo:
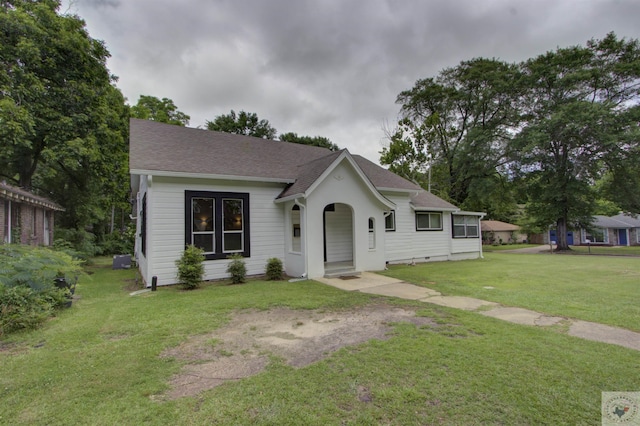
28	291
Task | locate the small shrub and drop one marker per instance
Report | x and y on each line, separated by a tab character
237	268
23	308
119	242
191	267
274	269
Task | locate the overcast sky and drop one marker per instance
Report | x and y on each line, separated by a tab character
328	68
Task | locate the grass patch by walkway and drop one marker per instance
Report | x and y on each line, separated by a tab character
99	363
487	248
591	288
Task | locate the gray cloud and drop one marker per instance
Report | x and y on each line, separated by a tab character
330	68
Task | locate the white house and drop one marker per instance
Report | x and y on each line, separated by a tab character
321	212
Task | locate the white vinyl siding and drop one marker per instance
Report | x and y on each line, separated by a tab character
406	243
166	225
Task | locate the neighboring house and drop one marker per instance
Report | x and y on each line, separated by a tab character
26	218
497	232
618	230
320	212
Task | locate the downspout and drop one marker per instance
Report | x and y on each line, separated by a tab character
480	232
303	235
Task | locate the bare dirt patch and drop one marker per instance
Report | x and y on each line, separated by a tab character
243	347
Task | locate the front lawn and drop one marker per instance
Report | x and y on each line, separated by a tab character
592	288
608	251
99	363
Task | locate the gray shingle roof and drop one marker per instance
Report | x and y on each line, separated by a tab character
620	221
498	226
426	200
159	147
163	147
308	173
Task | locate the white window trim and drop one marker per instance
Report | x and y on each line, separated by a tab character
466	225
430	228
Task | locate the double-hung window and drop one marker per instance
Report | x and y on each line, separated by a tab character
428	221
218	223
390	221
465	226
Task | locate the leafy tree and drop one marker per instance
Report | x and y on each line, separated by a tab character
463	120
320	141
581	123
243	123
63	124
163	111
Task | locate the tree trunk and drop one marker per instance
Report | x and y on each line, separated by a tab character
561	235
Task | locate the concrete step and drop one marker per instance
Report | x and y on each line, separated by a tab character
342	272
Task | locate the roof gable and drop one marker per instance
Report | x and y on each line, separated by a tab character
315	172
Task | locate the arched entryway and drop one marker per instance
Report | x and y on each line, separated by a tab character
338	237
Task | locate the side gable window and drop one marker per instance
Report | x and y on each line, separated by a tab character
428	221
218	223
465	226
390	221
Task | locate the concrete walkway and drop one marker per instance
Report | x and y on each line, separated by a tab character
386	286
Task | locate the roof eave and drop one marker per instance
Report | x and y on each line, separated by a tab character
210	176
403	190
290	198
434	209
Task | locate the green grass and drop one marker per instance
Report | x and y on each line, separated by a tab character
98	363
592	288
609	251
489	247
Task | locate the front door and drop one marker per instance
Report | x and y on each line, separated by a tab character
622	237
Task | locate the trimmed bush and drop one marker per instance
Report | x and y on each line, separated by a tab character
191	267
237	269
274	269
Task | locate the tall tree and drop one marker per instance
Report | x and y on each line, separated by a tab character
581	112
320	141
243	123
62	123
462	121
163	111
